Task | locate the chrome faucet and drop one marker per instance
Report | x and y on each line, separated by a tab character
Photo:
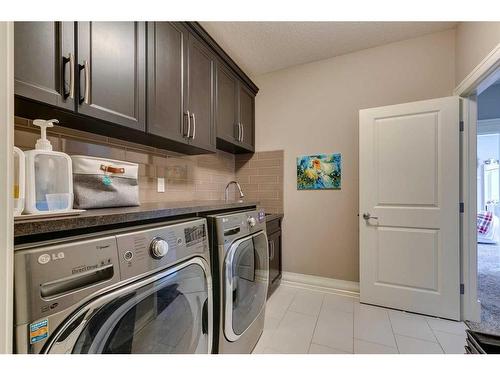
226	192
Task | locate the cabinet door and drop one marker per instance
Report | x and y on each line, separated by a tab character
226	104
247	116
200	94
43	53
112	65
274	256
166	58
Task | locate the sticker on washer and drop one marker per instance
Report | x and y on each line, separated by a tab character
39	331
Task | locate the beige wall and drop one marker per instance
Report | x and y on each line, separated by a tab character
314	108
474	41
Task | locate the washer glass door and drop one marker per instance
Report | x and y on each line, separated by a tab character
166	313
246	281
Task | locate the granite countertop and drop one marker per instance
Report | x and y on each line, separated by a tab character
122	215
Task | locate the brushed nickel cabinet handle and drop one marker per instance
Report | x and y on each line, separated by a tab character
86	96
86	66
194	126
71	61
71	76
189	124
242	132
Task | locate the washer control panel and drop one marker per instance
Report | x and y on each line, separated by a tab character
150	249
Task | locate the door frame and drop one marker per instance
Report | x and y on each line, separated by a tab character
6	176
485	73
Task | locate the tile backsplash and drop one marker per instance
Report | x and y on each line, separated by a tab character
261	178
200	177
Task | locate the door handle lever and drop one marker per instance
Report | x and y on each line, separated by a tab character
367	216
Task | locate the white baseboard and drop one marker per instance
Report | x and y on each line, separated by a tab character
323	284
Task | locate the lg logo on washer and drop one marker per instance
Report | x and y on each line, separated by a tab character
46	258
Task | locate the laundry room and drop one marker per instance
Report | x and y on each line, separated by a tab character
250	186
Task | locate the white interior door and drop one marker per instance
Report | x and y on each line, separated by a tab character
409	184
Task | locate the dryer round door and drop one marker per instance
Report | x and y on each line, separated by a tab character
170	312
246	281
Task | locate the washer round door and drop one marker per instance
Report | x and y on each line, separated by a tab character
246	282
169	312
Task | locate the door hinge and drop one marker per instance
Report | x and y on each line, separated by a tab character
462	288
461	207
461	126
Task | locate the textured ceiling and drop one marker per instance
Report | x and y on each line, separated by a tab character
263	47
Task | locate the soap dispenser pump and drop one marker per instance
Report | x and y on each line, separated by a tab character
43	143
49	175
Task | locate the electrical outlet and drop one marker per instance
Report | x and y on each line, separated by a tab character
161	185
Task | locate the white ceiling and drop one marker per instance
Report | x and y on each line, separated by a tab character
263	47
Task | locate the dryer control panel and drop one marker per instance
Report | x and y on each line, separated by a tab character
235	225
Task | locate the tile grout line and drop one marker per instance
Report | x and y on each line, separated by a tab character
316	324
280	319
417	338
434	334
377	343
449	333
393	333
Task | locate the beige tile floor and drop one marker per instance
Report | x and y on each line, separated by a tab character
305	321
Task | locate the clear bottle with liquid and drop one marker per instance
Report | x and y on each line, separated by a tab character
19	181
49	176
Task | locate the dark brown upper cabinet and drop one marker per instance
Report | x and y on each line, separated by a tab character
247	117
235	112
163	84
44	62
167	45
112	72
199	99
180	87
227	105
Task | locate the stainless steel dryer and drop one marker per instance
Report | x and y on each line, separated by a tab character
240	269
142	290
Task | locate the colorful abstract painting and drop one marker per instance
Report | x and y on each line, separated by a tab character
322	171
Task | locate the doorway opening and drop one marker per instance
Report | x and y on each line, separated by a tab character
488	207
